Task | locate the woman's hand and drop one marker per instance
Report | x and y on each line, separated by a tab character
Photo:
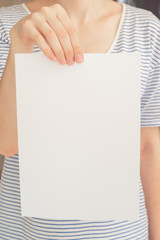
53	32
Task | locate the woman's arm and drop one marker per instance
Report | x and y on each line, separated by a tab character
150	175
8	119
56	38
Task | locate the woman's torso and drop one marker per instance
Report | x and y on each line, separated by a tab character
132	35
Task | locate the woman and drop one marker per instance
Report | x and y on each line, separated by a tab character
63	31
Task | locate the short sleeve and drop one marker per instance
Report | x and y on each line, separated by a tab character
150	100
4	48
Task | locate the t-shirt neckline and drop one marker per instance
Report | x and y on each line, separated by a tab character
118	30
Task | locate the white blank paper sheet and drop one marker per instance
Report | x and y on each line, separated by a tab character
79	137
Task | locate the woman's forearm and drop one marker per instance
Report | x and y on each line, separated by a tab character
8	128
8	119
150	175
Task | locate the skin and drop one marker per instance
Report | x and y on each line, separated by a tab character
72	28
150	176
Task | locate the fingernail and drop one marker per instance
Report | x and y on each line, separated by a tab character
79	58
53	57
63	60
70	61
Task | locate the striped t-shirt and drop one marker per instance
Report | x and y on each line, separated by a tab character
139	30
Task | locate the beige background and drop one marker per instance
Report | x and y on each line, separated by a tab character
10	2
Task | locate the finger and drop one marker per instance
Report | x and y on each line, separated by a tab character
34	35
39	40
49	35
63	38
68	25
53	41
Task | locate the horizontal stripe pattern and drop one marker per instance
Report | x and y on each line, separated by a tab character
140	31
